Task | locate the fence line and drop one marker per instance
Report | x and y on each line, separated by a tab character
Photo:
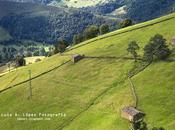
132	84
104	57
133	92
111	57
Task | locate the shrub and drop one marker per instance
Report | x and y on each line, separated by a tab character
37	60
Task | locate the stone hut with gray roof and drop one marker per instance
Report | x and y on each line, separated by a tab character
132	114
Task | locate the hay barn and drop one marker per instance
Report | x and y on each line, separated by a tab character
76	58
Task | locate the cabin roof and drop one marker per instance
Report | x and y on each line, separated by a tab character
131	111
75	55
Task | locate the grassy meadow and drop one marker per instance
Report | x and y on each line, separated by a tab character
92	92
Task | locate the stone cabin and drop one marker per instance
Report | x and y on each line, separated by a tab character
132	114
75	58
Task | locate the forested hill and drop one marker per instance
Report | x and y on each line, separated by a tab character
37	21
45	23
137	10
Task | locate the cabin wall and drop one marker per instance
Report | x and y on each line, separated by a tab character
77	58
127	116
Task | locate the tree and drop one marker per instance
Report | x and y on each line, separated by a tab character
36	53
78	38
141	125
91	32
0	57
20	61
13	50
132	48
104	28
42	51
28	54
75	39
126	23
61	46
4	49
156	48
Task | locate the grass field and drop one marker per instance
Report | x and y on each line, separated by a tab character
92	92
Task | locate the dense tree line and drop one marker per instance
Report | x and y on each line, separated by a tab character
9	53
91	32
145	10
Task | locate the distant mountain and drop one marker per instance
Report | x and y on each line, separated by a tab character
45	23
138	10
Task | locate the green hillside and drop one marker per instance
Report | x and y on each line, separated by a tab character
92	92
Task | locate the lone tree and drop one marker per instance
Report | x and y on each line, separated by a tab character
61	46
126	23
104	28
132	48
20	61
156	48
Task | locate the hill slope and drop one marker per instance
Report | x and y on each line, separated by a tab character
92	92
